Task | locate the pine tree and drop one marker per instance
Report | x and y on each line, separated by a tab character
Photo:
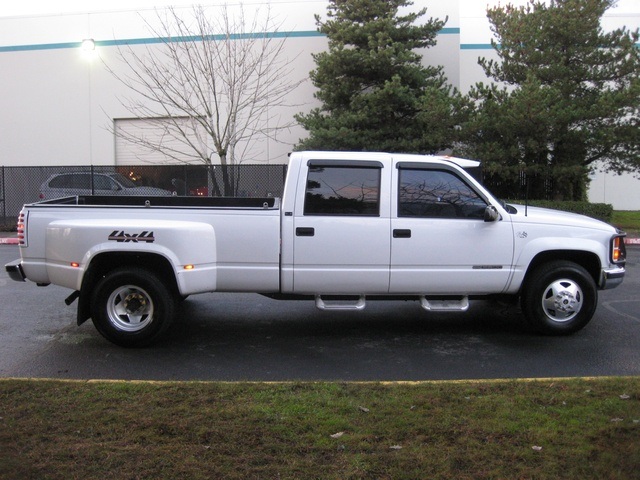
374	90
569	99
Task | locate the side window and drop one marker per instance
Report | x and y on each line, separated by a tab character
102	182
437	194
71	180
61	181
342	190
80	180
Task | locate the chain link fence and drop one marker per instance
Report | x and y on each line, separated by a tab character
20	185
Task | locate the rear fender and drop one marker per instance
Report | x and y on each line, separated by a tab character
71	246
108	261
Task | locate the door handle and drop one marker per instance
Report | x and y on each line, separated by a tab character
401	233
305	232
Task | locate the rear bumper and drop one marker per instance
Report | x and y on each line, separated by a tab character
14	270
611	277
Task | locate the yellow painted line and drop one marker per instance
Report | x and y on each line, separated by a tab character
294	382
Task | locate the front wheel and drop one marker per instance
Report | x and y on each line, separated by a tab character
559	298
131	307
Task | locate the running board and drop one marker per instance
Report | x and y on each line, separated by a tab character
452	304
341	303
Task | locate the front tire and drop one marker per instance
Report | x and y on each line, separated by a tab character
131	307
559	298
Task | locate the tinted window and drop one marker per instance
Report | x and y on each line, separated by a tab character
102	182
61	181
334	190
74	180
437	194
122	180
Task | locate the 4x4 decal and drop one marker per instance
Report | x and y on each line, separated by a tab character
121	236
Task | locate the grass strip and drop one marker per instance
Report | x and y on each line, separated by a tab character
553	428
628	220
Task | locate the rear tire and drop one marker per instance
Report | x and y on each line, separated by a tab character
131	307
559	298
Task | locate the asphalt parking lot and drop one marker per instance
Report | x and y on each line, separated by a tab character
248	337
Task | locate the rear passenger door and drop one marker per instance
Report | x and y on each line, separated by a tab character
341	228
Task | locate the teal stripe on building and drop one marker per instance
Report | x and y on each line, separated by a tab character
151	41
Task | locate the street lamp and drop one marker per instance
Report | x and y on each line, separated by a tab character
88	45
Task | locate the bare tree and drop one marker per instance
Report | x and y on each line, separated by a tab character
214	84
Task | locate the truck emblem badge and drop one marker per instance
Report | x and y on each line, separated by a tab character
121	236
522	234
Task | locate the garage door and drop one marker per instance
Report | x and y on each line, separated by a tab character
135	138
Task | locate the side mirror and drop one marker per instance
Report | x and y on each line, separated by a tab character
491	214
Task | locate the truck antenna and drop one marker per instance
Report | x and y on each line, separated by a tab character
526	194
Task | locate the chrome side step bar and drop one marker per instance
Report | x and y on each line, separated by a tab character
337	303
453	304
359	302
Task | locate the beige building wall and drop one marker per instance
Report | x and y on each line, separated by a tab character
58	105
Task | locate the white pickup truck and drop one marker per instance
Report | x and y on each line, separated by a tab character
349	227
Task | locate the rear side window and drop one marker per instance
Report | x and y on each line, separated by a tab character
437	194
72	180
342	190
102	182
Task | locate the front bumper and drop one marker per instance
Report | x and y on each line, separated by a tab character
14	270
611	277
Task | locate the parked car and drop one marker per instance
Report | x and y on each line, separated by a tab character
180	188
350	227
79	183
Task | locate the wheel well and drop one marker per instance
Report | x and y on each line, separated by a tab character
108	261
587	260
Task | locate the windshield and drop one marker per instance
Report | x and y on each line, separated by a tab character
122	180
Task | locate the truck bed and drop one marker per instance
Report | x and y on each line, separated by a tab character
233	243
165	201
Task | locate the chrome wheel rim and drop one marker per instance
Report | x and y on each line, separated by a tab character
130	308
562	300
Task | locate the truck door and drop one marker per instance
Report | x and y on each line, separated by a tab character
341	228
440	241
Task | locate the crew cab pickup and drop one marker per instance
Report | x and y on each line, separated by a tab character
349	227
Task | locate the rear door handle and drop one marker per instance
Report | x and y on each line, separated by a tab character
401	233
305	232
